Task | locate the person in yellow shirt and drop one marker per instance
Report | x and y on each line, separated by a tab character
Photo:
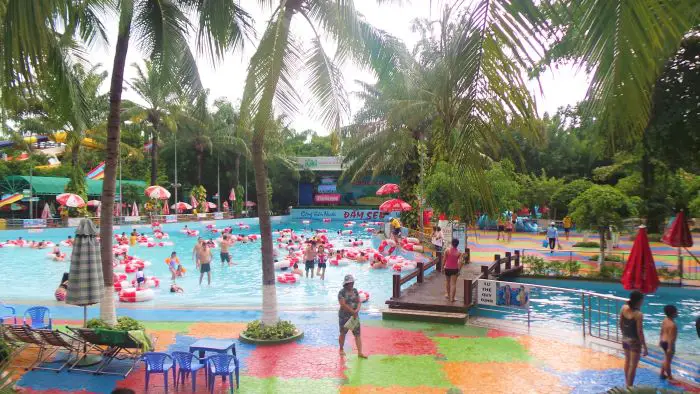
568	223
395	229
132	238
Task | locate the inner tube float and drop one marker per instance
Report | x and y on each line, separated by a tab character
133	295
306	222
346	232
370	230
387	246
346	225
364	296
287	278
122	284
412	247
326	220
61	256
67	243
150	282
243	226
283	264
412	240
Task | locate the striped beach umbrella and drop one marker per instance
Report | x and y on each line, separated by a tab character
85	286
157	192
70	200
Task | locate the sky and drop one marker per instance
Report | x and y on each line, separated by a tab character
560	87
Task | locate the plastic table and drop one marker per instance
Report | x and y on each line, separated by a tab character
212	345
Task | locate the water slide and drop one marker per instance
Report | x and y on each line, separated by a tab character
60	137
29	140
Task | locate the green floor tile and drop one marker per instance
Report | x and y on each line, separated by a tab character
429	328
167	325
250	385
481	350
406	371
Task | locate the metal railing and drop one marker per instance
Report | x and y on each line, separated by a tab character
668	273
589	313
117	220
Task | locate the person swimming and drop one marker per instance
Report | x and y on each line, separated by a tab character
176	289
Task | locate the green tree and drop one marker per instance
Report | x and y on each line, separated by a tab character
600	207
161	28
538	190
567	193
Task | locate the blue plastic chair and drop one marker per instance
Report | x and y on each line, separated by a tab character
157	362
184	361
220	365
38	316
8	319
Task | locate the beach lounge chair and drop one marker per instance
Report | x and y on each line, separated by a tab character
9	314
157	362
223	365
56	341
113	345
23	336
15	345
184	361
37	317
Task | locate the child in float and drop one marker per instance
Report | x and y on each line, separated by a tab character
176	289
362	257
296	270
321	262
133	237
667	340
57	255
69	241
173	262
140	279
180	271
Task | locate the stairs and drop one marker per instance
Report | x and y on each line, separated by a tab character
425	316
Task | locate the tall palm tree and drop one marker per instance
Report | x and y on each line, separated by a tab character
158	93
161	28
271	73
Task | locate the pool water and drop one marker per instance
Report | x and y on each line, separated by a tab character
566	306
28	275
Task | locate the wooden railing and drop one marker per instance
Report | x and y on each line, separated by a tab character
510	262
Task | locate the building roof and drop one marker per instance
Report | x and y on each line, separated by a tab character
47	185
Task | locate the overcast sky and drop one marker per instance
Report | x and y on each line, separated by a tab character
226	79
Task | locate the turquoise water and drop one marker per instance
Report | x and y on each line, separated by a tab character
566	306
28	275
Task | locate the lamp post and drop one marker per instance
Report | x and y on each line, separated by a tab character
176	184
218	184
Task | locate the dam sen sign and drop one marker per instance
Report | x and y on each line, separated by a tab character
340	214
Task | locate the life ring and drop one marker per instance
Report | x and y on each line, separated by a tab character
61	256
378	265
412	240
282	264
306	222
388	246
347	225
243	226
357	243
135	295
211	226
121	285
287	278
369	229
253	237
326	220
322	231
118	277
67	243
346	232
149	282
364	296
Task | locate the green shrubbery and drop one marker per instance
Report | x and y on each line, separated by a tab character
608	257
610	271
282	330
124	323
588	244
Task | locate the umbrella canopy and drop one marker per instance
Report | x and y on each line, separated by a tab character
193	202
181	206
85	286
99	210
166	209
211	205
389	188
232	195
157	192
678	235
640	271
94	203
46	212
70	200
13	208
394	205
135	209
225	205
250	204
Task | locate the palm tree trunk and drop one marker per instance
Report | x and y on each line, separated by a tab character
601	256
154	157
107	308
200	163
269	290
75	155
237	169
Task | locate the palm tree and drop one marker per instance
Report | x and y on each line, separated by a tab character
271	72
161	28
158	93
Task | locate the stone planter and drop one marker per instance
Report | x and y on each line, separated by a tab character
299	334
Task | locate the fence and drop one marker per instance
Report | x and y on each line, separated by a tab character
589	313
669	272
117	220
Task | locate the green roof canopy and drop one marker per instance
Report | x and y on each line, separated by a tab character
52	186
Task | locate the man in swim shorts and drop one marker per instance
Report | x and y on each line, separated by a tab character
195	251
204	258
224	254
309	258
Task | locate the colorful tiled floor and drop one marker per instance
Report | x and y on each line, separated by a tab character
404	357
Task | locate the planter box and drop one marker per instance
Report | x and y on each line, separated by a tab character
297	336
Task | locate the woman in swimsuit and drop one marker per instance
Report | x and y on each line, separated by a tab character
451	269
633	342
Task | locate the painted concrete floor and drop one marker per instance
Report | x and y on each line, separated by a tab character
404	357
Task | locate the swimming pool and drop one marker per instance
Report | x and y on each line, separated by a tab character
563	305
27	275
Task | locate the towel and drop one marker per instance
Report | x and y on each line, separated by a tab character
142	339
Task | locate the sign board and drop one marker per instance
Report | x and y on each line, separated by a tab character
170	218
327	198
327	180
321	163
201	215
459	232
509	294
131	219
35	230
340	214
327	188
34	223
218	215
26	192
74	222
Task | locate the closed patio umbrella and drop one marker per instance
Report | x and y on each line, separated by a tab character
679	236
46	212
640	270
85	286
135	209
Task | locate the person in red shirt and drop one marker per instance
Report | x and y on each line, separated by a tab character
451	267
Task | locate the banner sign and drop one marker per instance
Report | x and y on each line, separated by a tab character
458	233
514	295
74	222
340	214
131	219
327	188
218	215
327	180
321	163
202	215
33	223
170	218
327	198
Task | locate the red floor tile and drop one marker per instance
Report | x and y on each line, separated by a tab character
393	342
295	361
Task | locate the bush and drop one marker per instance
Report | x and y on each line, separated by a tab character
282	330
555	268
124	323
572	267
667	273
97	323
534	265
589	244
608	257
610	271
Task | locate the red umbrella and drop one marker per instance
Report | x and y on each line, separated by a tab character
389	188
394	205
250	204
640	271
157	192
181	206
70	200
211	205
94	203
679	234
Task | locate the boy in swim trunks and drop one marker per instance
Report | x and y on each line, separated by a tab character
204	258
309	258
321	262
224	254
667	340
